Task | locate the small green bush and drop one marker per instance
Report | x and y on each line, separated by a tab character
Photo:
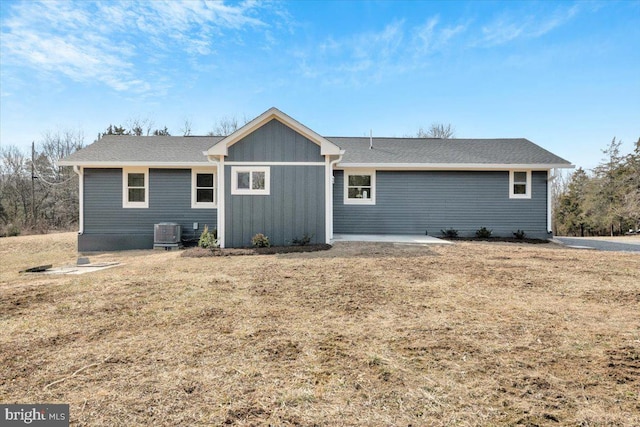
483	233
520	234
449	232
260	241
11	230
304	241
208	240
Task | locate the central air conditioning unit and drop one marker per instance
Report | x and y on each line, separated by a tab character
167	235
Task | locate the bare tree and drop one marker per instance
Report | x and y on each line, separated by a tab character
227	125
437	130
140	127
14	186
186	128
58	185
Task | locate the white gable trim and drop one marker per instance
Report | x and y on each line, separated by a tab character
222	147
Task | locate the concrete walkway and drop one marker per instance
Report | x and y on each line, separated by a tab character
390	238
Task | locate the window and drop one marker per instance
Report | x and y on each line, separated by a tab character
135	188
250	180
203	189
359	187
520	184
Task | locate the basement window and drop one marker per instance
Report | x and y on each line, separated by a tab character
135	187
250	180
359	187
203	189
519	184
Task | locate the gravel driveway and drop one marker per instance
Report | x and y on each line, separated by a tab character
599	244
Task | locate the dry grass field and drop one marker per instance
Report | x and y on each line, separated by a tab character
471	334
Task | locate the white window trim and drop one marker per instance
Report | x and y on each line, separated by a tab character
512	182
194	189
250	192
370	201
125	188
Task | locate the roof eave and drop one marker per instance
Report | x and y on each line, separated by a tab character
115	164
456	166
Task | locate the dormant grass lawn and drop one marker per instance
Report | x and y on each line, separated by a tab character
471	334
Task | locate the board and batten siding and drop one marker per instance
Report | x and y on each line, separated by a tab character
108	226
419	202
274	142
294	207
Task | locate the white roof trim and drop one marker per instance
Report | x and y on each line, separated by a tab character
113	164
452	166
326	147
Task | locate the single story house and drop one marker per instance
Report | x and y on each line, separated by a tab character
278	177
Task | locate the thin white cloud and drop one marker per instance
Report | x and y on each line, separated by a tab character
371	56
508	27
107	42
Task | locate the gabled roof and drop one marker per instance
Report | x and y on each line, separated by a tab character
449	153
390	153
326	146
128	150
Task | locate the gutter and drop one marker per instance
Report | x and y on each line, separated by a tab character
552	174
79	171
329	198
334	162
220	196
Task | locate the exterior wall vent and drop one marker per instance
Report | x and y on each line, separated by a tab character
167	235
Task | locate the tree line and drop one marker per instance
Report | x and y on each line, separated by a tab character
37	195
604	201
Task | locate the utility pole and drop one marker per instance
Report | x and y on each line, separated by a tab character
33	184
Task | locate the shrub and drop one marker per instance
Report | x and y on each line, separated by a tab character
449	232
11	230
208	240
483	233
305	240
520	234
260	241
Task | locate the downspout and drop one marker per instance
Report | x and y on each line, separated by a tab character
220	196
80	172
329	196
551	176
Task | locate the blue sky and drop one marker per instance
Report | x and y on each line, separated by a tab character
565	75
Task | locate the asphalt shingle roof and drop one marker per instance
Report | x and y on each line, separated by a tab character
114	149
444	151
152	149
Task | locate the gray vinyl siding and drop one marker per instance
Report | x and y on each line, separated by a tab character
416	202
108	226
274	142
295	207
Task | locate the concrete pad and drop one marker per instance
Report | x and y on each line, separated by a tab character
390	238
81	269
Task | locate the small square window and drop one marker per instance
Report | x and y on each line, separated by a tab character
135	188
359	187
250	180
520	184
203	189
